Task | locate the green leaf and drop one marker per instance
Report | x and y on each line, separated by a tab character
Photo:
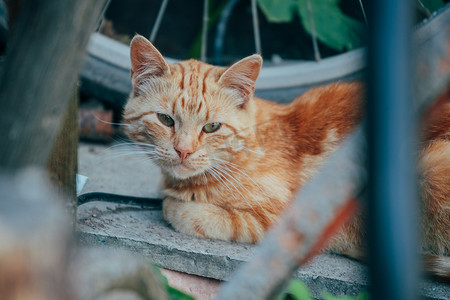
433	5
278	11
363	296
333	27
328	296
175	294
162	278
298	290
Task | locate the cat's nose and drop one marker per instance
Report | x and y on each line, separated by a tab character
183	153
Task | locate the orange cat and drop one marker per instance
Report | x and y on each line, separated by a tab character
231	162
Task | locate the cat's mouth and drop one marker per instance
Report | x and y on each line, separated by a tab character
183	166
182	170
185	170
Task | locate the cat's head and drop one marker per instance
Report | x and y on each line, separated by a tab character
189	116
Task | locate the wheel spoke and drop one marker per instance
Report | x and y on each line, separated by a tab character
161	12
204	30
313	32
364	11
256	28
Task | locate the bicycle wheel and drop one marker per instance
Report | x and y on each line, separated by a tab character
105	74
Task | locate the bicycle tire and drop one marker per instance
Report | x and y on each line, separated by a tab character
106	71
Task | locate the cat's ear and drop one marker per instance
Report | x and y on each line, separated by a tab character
146	60
241	77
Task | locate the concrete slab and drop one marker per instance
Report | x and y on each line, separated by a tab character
145	231
117	169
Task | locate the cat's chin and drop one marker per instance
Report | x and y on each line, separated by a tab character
181	171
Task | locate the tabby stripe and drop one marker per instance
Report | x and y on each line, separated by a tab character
275	207
182	102
199	106
204	82
132	119
173	108
253	236
197	227
232	129
192	81
236	223
261	217
252	227
228	150
181	84
197	83
137	134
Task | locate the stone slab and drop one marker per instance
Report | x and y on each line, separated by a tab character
144	231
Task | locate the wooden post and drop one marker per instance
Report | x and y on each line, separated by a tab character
63	161
43	58
37	81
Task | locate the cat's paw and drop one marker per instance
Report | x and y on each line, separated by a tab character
181	215
199	219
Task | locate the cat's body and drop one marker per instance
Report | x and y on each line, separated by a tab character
246	192
232	162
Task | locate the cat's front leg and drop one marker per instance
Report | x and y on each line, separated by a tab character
211	221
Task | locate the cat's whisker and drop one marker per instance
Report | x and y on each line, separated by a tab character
134	161
111	123
140	156
225	172
216	176
235	168
132	149
134	152
253	151
111	153
140	152
204	178
221	172
133	145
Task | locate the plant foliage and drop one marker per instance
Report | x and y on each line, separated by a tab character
297	290
332	26
433	5
173	293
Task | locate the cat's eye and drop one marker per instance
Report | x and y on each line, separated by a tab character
166	120
211	127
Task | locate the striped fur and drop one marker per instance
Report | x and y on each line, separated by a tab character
234	182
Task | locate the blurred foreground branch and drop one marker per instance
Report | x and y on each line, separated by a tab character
323	204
